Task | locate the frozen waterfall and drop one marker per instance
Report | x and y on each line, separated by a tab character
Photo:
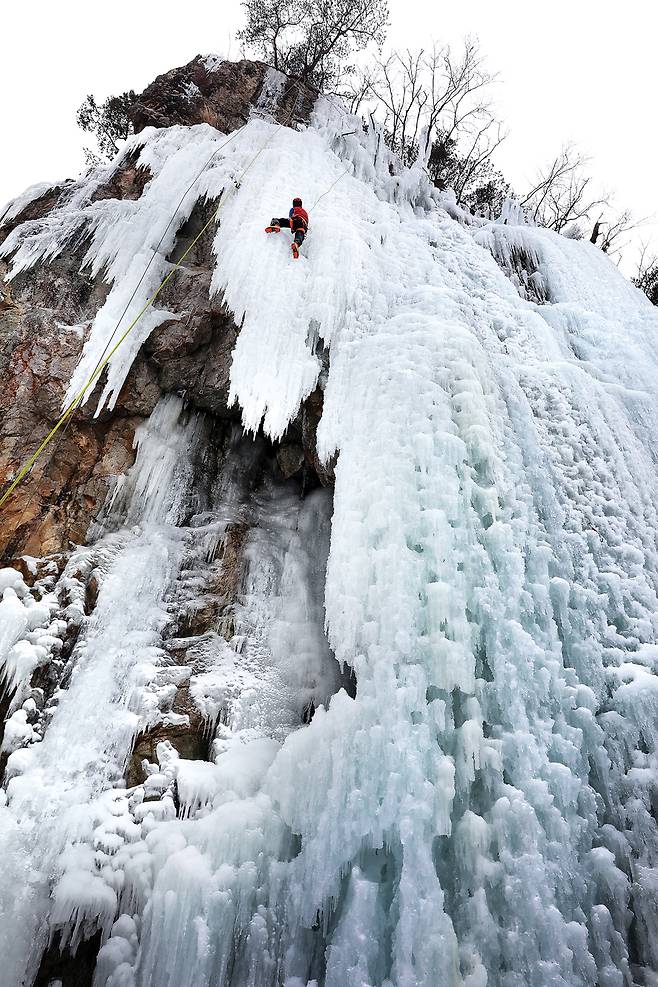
432	722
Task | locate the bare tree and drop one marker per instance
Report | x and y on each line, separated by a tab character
475	163
608	233
356	91
561	194
646	277
436	104
268	28
562	199
312	39
418	94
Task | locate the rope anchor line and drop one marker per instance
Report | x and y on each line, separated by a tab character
108	352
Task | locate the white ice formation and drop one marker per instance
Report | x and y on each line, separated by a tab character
480	810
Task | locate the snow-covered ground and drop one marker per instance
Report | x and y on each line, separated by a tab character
480	812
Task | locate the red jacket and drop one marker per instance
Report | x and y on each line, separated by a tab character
303	215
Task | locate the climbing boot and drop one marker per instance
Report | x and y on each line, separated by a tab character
272	229
295	250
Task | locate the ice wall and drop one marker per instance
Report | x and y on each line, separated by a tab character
74	838
480	811
53	784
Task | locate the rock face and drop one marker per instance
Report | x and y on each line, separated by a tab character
218	93
59	513
37	357
46	311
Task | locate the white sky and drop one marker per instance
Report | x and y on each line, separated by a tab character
581	70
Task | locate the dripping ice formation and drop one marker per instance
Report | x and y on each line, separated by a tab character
65	807
480	808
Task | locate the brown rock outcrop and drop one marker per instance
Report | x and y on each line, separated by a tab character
127	182
38	353
46	310
220	93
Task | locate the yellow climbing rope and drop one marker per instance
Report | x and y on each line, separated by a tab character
105	359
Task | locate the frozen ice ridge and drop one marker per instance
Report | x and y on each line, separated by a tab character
430	721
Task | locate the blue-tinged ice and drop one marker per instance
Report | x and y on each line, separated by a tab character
480	808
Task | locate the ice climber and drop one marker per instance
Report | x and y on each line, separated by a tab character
297	221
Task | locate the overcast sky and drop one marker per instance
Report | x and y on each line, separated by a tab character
581	70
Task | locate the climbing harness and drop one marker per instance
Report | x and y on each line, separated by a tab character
107	355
